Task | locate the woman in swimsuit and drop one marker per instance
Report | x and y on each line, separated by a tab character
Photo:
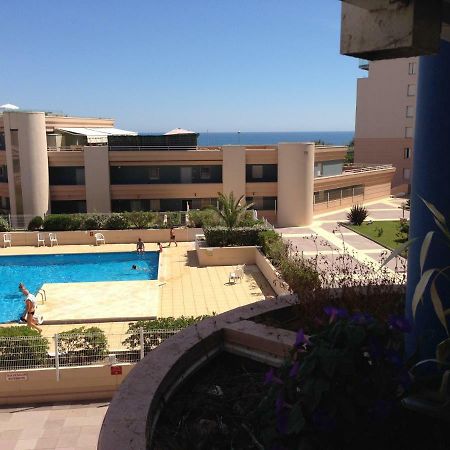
30	307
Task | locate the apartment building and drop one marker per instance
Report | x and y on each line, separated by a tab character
62	164
385	116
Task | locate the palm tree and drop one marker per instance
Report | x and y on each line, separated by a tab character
230	210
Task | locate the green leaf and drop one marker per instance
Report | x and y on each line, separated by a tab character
443	351
436	213
437	304
398	251
424	250
420	288
443	228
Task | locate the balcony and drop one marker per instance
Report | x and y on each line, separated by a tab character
146	148
359	168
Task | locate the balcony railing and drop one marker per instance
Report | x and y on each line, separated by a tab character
150	148
72	148
363	64
358	168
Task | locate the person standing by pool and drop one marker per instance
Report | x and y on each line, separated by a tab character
30	307
160	247
172	237
140	246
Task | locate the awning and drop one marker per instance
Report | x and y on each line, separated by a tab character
179	131
97	135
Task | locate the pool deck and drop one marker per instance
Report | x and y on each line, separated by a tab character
182	288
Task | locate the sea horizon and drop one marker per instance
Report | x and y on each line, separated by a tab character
271	137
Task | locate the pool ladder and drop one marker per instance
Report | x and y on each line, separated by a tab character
43	295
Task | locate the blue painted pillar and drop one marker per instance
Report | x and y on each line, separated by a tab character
431	180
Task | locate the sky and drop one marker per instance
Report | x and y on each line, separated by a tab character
153	65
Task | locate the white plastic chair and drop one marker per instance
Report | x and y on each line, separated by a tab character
99	238
6	239
52	238
40	239
237	274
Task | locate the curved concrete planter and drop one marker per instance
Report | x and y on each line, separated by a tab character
134	411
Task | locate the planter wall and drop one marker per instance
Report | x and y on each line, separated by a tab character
23	238
134	410
232	256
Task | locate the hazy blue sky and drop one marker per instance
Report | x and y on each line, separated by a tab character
217	65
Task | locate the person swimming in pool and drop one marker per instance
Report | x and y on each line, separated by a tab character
30	308
141	269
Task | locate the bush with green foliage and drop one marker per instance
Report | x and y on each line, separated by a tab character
156	331
204	218
140	219
36	223
272	246
80	345
357	214
116	221
94	222
4	225
22	348
232	211
63	222
226	237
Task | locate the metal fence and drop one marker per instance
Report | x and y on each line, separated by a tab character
83	349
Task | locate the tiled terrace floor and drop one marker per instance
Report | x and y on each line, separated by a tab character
68	427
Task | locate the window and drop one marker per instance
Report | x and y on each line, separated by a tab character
257	171
205	173
154	173
411	90
408	132
412	67
410	111
318	168
406	153
406	174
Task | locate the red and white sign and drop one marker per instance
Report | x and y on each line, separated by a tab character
16	376
116	370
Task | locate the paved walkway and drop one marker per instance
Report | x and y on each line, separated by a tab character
61	426
327	237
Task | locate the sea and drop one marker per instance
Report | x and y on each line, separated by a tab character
272	137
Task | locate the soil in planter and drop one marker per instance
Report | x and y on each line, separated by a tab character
210	411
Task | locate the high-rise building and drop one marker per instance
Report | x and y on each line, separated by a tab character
385	116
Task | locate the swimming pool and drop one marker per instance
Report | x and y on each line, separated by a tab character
35	270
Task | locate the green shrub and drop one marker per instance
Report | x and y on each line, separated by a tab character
272	246
116	221
224	237
155	331
247	220
4	225
94	222
204	218
140	219
357	214
80	345
28	349
63	222
36	223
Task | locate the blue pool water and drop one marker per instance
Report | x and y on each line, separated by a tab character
35	270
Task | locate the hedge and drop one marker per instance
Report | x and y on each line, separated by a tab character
155	331
36	223
4	225
63	222
28	349
224	237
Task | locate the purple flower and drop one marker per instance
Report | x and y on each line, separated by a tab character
294	369
271	378
335	313
399	323
301	339
323	421
279	403
361	318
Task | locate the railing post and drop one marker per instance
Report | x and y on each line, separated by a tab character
141	340
56	337
353	194
341	197
328	198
